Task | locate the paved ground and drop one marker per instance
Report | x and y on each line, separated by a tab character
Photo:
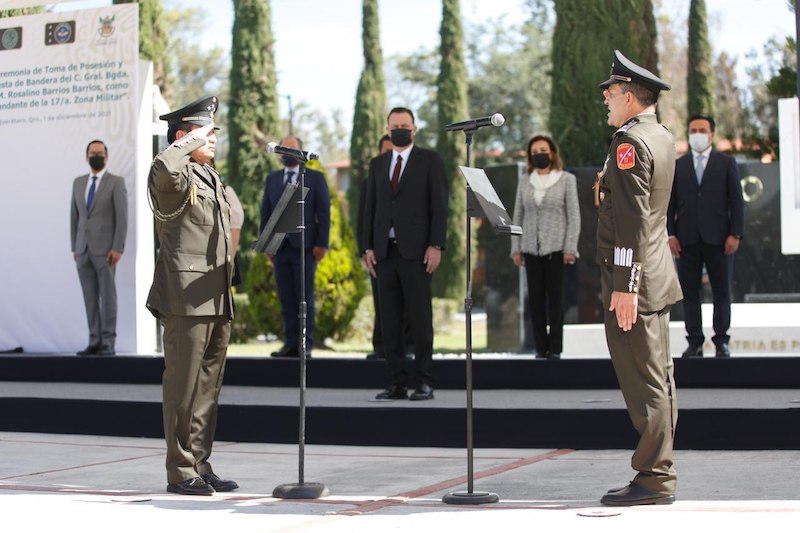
89	483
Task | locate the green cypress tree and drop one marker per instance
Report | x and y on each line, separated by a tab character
451	100
252	109
369	114
152	36
700	82
584	39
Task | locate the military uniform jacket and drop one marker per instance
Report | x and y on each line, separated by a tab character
635	186
193	269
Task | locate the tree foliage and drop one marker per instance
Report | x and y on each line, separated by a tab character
153	37
493	49
585	35
192	69
451	100
700	82
510	67
767	74
252	108
369	113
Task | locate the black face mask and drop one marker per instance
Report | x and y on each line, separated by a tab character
401	137
541	160
97	162
288	161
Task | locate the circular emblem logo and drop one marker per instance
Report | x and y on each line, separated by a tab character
10	39
752	188
62	33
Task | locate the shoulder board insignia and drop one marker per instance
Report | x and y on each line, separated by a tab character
626	156
628	125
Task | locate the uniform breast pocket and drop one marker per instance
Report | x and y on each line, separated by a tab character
202	213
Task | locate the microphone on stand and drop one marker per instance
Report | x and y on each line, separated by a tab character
495	120
300	155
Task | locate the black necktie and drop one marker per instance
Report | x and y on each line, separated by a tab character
289	177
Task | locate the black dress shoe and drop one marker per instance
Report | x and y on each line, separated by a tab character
633	494
191	487
554	355
425	392
723	350
219	485
395	392
286	351
92	349
694	350
106	350
372	356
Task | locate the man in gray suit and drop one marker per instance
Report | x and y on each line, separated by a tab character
98	225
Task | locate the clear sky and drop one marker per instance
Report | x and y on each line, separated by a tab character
318	42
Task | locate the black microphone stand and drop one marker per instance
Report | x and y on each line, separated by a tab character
469	497
302	490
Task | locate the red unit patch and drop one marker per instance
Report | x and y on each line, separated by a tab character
626	156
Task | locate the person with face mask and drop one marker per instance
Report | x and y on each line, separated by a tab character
705	223
405	227
98	227
286	262
546	208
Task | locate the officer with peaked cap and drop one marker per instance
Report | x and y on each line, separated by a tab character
191	293
638	278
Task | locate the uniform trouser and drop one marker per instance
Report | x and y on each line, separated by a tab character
720	275
194	359
403	284
644	369
99	297
545	276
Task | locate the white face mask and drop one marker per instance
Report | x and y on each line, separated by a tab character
699	141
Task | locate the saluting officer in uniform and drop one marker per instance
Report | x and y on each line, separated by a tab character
639	282
191	293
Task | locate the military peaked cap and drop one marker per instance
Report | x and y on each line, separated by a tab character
623	70
200	112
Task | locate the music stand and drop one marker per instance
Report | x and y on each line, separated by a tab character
482	201
285	220
281	221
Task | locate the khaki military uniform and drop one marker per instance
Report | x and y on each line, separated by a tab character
634	257
191	296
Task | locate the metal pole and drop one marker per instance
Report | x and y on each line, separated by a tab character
469	497
301	489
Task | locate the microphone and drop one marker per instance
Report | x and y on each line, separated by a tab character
300	155
495	120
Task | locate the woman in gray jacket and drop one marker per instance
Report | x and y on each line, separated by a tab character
547	209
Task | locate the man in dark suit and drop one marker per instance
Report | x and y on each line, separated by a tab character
705	224
405	224
191	293
286	262
98	226
384	145
638	279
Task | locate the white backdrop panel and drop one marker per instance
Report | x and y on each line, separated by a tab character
74	77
